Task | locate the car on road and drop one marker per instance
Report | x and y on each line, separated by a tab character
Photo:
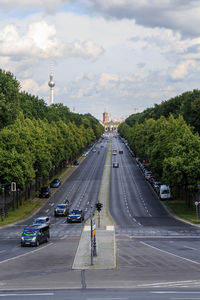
45	192
76	163
41	221
55	183
61	210
75	215
115	165
114	152
35	235
94	150
120	151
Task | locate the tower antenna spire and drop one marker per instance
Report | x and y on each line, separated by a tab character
51	83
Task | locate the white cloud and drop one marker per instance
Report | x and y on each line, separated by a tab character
48	5
183	69
33	87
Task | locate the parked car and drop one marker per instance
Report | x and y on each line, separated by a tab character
35	235
75	215
45	192
164	192
76	163
41	221
55	183
61	210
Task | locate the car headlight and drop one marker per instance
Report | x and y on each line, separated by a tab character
78	217
34	239
22	238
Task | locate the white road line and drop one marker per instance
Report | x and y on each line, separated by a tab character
192	261
173	292
47	210
190	248
13	258
20	295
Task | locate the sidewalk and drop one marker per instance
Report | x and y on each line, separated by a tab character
105	235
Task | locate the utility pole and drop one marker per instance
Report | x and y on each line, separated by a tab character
3	206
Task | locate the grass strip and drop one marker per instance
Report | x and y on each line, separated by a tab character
24	211
181	210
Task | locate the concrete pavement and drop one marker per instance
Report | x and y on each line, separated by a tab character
105	234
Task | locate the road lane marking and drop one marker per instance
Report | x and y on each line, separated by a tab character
190	248
181	257
21	255
20	295
1	251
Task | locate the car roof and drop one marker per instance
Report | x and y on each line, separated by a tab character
42	218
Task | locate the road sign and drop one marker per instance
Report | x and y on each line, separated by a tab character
13	186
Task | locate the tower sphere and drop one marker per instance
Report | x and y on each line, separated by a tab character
51	83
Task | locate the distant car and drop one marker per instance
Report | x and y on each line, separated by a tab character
115	165
114	152
94	150
41	221
120	151
45	192
76	163
75	215
61	210
55	183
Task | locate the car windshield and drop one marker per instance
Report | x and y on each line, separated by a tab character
39	221
30	232
61	206
55	180
44	188
75	212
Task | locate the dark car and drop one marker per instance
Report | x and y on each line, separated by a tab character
75	215
115	165
42	221
35	235
55	183
120	151
61	210
76	163
45	192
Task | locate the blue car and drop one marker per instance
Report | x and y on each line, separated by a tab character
75	216
55	183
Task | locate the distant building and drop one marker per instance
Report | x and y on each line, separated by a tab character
105	117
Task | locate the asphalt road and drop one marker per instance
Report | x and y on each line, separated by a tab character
158	256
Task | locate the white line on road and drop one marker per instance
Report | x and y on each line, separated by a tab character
20	295
47	210
184	298
192	261
1	251
190	248
173	292
13	258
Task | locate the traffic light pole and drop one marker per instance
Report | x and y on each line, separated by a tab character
98	219
91	224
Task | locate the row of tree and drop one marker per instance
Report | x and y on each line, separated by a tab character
187	105
35	137
171	149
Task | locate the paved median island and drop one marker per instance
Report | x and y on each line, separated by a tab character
105	235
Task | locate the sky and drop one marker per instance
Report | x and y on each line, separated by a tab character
118	56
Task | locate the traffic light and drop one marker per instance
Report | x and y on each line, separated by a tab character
99	206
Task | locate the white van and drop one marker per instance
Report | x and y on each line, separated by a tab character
164	192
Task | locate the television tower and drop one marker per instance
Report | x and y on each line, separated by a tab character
51	83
